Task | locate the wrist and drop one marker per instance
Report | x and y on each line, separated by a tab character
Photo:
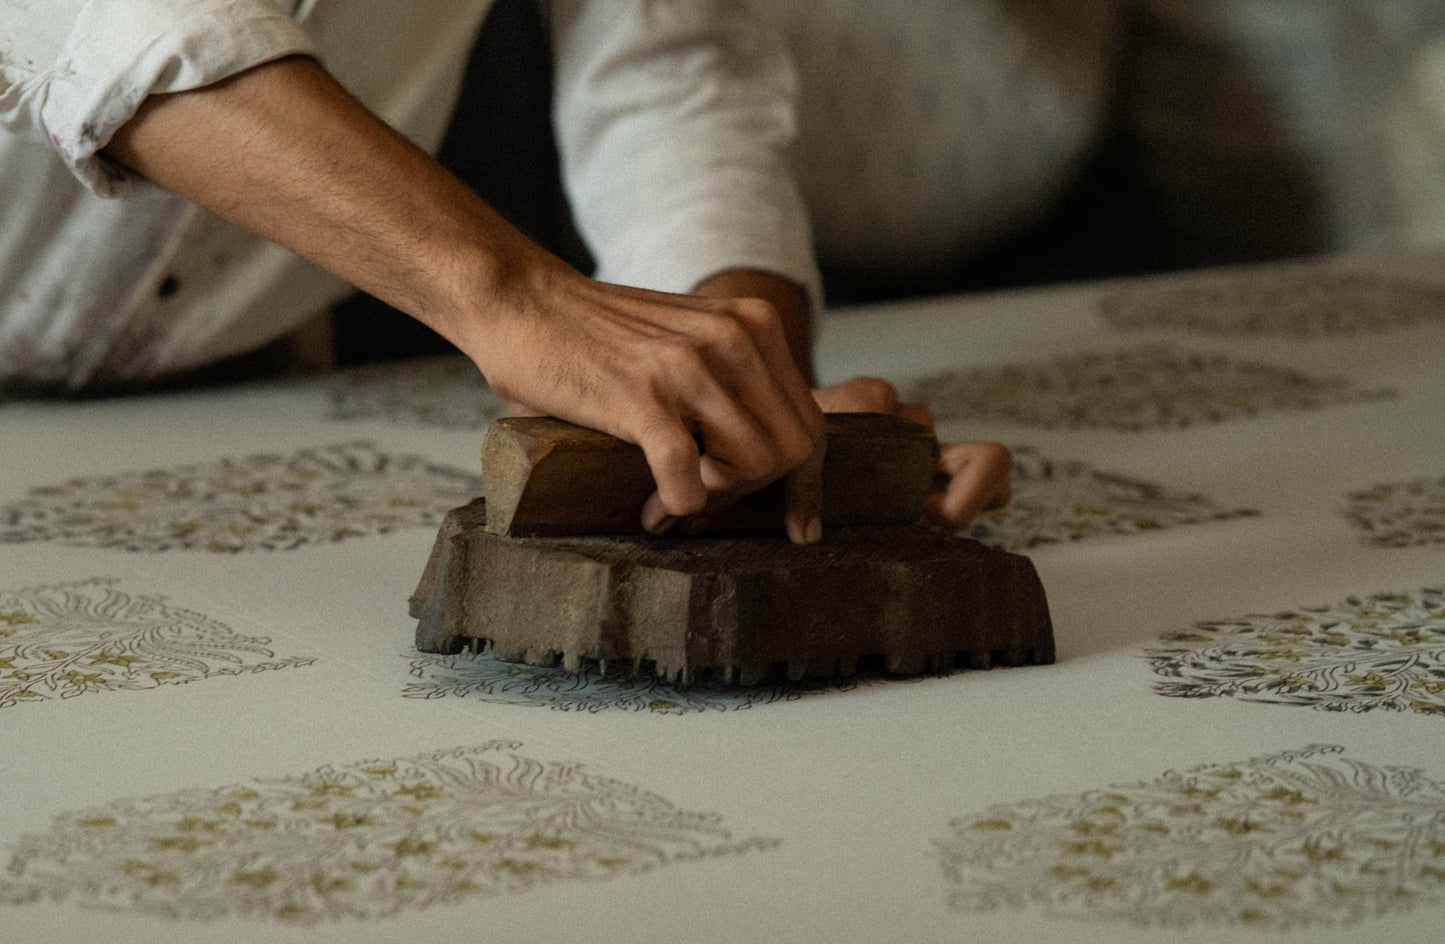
788	299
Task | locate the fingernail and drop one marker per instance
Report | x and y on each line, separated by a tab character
814	532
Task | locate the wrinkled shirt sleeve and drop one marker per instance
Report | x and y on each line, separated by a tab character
73	71
673	119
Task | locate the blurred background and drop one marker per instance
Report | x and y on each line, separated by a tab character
968	145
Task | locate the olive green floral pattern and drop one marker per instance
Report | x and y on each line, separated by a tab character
264	502
447	393
69	639
1142	388
1304	300
1400	514
480	676
1298	839
1058	501
361	840
1385	651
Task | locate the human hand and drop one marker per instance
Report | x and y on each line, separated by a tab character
705	386
972	477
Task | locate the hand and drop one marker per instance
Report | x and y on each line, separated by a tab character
706	386
972	477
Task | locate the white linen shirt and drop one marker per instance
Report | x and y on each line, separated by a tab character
673	118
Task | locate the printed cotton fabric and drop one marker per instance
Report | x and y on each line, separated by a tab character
216	726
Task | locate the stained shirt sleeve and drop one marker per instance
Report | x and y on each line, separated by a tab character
674	119
73	71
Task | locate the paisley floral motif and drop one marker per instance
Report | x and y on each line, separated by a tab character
482	677
64	640
1291	840
449	393
362	840
1384	651
1060	501
1305	300
259	502
1142	388
1401	514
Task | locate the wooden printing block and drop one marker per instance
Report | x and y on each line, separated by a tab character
547	477
730	608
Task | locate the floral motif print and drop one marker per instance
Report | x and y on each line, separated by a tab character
479	676
1056	502
64	640
1401	514
448	393
1142	388
361	840
260	502
1291	840
1306	300
1385	651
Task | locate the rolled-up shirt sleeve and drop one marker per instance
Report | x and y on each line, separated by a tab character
673	120
73	71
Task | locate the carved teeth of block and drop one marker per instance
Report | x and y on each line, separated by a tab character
752	674
904	663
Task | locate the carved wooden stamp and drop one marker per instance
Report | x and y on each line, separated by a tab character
727	608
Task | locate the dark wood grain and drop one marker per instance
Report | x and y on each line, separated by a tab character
732	609
543	476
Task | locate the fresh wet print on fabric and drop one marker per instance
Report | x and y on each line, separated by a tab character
481	677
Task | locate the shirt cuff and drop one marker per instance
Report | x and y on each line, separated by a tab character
119	53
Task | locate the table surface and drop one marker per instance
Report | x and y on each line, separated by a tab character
213	725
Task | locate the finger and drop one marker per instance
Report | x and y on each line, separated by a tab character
858	395
728	457
803	501
914	413
978	479
672	455
770	386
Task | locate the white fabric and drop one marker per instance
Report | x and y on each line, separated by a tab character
653	98
826	818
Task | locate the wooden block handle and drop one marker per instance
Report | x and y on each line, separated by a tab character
547	477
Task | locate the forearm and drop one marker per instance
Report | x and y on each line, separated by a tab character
283	150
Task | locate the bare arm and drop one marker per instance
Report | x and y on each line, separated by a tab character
283	150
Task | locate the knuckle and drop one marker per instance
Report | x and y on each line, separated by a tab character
795	450
730	340
998	454
920	414
678	357
878	393
756	465
756	311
